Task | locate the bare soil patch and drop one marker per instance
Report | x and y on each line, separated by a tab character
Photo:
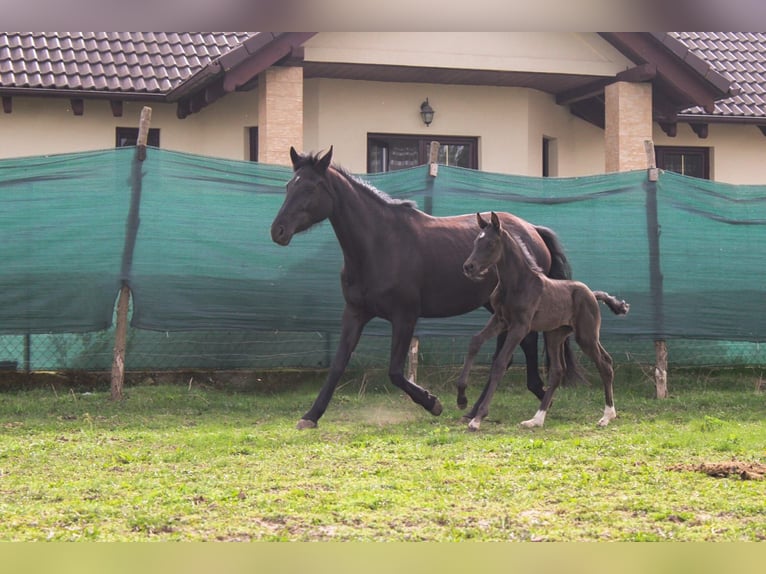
744	470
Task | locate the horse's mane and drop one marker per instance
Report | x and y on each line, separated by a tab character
526	253
357	182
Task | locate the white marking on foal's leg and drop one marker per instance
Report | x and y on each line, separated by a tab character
474	424
609	414
536	421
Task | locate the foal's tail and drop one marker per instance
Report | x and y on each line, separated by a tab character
618	306
561	269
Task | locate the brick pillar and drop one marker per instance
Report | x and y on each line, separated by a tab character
280	114
628	123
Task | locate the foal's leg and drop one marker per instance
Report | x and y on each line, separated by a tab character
492	329
534	382
402	328
499	365
354	321
591	346
555	343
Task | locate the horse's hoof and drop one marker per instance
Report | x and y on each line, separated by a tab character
462	404
530	424
437	408
474	425
305	424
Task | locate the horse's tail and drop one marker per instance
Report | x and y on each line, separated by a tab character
618	306
561	269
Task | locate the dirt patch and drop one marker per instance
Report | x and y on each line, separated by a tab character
744	470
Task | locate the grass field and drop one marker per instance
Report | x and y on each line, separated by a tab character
207	461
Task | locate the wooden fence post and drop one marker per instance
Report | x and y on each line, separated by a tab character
121	326
660	346
433	171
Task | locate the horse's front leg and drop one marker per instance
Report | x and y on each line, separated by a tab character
499	365
493	328
354	321
402	329
555	341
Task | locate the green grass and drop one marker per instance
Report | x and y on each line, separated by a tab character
178	462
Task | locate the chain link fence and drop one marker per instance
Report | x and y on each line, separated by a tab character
260	350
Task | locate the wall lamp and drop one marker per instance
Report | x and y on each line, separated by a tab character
427	112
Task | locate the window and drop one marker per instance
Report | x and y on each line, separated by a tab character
692	161
129	136
387	152
252	135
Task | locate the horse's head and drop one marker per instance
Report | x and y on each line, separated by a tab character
487	248
307	199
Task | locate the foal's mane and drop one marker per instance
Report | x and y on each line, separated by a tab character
530	259
357	183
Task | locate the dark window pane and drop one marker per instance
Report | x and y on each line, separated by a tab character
129	136
391	152
691	161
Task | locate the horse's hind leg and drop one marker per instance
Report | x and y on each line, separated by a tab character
353	323
534	382
592	347
493	327
554	341
402	329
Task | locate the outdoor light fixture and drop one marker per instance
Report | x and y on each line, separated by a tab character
426	112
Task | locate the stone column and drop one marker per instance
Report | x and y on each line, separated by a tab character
280	114
628	124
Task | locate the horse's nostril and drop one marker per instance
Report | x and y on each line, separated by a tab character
278	233
467	268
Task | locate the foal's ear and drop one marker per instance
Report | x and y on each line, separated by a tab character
495	221
294	157
324	162
481	221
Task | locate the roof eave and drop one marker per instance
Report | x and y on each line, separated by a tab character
235	69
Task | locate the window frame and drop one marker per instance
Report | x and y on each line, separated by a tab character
424	142
703	152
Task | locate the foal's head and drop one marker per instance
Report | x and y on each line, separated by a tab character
487	248
307	201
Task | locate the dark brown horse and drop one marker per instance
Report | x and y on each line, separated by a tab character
399	264
525	300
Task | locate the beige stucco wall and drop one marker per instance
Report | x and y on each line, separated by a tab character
41	126
737	154
509	123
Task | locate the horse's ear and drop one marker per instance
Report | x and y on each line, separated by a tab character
294	157
324	162
495	221
481	221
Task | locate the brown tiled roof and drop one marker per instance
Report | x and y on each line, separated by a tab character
741	58
127	62
162	64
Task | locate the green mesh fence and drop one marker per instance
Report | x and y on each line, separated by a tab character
211	290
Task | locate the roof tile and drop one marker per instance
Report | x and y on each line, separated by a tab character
740	56
135	62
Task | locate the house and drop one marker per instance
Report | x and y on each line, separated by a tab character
540	104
